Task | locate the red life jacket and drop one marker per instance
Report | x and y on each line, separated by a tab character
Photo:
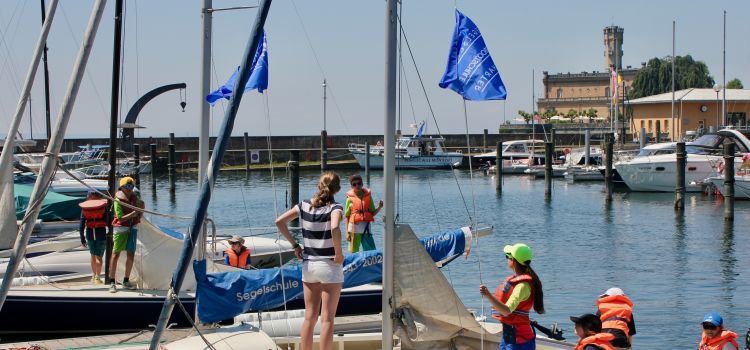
360	209
600	339
717	343
519	316
616	311
93	212
131	200
238	260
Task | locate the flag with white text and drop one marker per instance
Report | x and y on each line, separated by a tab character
258	78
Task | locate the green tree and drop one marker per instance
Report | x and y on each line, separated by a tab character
525	115
735	84
592	113
572	113
656	76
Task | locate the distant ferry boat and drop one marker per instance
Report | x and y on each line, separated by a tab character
416	152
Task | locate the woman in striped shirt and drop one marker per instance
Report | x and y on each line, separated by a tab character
322	257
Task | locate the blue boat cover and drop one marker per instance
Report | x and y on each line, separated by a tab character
224	295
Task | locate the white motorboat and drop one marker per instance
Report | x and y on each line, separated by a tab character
518	155
657	173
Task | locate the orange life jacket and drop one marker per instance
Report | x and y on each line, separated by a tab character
716	343
600	339
360	210
615	311
131	200
93	212
238	260
519	316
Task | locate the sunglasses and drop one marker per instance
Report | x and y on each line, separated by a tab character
128	186
508	256
709	326
355	184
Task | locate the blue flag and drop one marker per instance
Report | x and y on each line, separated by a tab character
470	70
258	78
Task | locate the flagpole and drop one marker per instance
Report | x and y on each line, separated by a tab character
724	74
673	59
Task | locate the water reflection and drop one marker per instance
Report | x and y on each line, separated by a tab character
728	262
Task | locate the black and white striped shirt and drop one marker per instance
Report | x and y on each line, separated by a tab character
316	229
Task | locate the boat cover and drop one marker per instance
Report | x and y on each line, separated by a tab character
54	207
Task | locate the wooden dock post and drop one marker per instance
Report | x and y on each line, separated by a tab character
367	163
728	191
154	161
499	168
608	153
323	150
679	200
587	149
294	181
247	153
171	166
137	164
549	157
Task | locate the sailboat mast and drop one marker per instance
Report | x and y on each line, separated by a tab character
116	59
673	79
46	83
389	169
53	148
205	89
212	172
724	74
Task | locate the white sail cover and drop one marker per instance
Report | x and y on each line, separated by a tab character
426	297
8	227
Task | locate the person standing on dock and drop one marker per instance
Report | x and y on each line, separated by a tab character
322	257
715	337
616	314
589	329
360	211
124	237
93	231
514	299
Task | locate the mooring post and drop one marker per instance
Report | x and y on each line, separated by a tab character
171	166
137	164
643	137
679	200
608	151
499	168
549	150
367	163
587	147
323	150
729	181
247	153
154	161
484	140
294	181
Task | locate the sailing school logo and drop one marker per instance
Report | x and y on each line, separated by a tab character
290	284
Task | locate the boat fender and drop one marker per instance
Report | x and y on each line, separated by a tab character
720	166
566	150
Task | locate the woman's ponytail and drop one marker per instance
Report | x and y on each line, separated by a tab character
328	185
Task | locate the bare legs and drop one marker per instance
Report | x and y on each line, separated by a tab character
129	259
96	265
316	294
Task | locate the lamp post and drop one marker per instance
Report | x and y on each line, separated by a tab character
717	88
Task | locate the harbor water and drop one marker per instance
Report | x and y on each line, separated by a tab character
675	267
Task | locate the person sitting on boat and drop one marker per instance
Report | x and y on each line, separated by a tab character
237	255
715	337
359	211
93	231
589	329
514	298
322	258
616	314
124	238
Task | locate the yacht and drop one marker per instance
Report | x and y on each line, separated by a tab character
518	156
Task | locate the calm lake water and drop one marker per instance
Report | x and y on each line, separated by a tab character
674	267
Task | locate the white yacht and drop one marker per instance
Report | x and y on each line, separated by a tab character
518	156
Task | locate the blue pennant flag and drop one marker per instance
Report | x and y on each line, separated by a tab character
470	70
258	78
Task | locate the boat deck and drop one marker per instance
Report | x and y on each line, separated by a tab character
142	337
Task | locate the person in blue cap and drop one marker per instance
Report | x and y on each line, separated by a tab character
715	337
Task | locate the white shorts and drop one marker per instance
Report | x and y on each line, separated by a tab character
322	271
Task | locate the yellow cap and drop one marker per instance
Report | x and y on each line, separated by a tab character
520	252
126	180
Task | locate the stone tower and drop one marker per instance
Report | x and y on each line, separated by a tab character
613	47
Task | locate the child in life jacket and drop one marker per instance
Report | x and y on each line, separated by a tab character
715	337
93	231
237	255
359	211
615	310
589	329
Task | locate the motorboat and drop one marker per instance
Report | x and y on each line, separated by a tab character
518	156
657	172
741	180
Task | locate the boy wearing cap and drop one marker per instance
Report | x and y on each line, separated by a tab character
514	298
589	329
93	231
237	255
616	313
124	238
715	337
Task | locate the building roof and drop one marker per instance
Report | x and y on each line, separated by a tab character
694	95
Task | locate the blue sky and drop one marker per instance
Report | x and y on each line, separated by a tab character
163	46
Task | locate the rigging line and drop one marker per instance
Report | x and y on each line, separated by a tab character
471	170
8	58
122	62
137	54
408	93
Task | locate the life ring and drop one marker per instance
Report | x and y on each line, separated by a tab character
566	150
720	166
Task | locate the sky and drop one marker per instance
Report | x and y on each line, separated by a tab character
343	42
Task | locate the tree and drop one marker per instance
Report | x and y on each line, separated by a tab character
572	113
656	76
735	84
525	115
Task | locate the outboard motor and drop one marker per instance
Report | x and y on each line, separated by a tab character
553	332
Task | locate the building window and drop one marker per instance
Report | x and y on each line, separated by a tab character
606	91
559	93
649	126
666	126
643	124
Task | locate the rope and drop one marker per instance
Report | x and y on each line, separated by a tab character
192	323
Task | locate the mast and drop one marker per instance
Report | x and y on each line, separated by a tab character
389	170
53	148
7	202
205	90
46	84
724	74
673	59
116	59
212	172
